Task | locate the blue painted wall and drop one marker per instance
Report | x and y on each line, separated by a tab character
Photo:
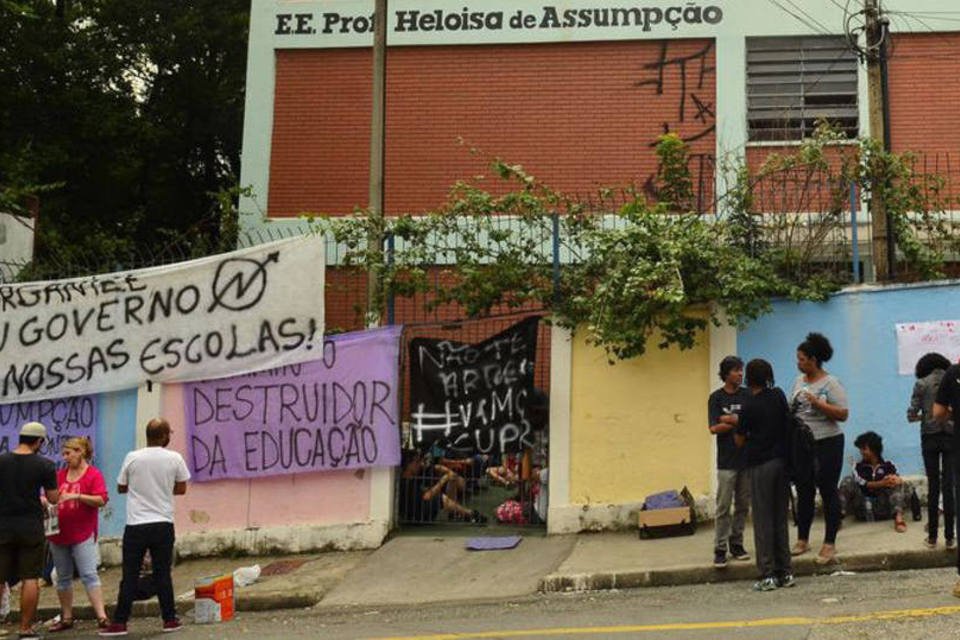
116	436
860	325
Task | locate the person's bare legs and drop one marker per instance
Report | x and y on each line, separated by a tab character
29	595
95	595
452	505
66	605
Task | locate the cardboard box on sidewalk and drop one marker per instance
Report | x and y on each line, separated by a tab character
676	521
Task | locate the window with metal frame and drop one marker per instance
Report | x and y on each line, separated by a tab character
794	82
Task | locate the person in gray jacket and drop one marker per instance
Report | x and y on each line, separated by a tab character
936	443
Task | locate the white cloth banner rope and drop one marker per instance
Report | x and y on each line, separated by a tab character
213	317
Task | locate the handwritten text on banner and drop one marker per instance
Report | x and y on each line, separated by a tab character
220	315
339	412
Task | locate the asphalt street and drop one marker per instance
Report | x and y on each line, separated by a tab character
902	604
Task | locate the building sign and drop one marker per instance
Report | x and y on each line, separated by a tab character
220	315
344	24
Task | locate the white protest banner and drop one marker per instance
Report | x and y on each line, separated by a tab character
914	339
221	315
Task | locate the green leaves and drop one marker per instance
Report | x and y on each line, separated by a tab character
628	271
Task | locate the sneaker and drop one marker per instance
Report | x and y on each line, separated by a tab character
767	584
114	629
719	559
475	517
169	626
739	553
931	543
951	543
786	581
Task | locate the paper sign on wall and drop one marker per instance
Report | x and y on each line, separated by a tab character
914	339
220	315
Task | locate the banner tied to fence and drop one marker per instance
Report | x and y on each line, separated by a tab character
64	418
338	412
474	396
220	315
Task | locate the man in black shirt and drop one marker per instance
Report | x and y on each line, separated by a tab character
23	474
733	485
946	407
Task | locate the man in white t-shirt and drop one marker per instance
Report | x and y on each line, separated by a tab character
150	477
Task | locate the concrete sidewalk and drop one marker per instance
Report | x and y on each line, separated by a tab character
426	569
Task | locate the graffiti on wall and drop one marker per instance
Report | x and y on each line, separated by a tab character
692	112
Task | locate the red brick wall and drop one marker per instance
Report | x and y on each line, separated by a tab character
797	190
924	93
577	115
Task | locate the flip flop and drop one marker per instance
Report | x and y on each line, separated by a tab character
61	625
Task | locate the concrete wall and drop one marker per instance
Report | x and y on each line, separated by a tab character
860	324
621	432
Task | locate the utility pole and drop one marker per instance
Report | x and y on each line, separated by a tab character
883	245
377	154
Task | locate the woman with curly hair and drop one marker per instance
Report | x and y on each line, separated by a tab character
820	401
936	443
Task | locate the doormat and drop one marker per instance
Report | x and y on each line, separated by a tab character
280	567
493	543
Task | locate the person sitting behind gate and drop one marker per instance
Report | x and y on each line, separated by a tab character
875	480
427	489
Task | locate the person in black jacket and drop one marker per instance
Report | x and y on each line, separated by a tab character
762	433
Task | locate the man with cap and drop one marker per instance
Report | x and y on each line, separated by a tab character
24	473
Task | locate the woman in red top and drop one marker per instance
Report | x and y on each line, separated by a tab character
82	493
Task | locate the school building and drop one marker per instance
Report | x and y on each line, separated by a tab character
578	93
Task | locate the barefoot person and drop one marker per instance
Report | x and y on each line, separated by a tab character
820	401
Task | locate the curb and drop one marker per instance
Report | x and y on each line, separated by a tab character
700	574
151	609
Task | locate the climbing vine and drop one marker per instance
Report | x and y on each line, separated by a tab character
621	268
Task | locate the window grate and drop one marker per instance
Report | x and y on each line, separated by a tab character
794	82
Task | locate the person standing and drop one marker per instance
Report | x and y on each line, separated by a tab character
24	473
762	434
150	477
947	407
733	484
820	401
83	493
936	444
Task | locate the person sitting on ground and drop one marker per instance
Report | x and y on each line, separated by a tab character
427	489
875	480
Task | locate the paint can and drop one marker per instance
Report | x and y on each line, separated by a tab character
213	599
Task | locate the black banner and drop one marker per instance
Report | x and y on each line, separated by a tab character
474	396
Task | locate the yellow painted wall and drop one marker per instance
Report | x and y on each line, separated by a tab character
639	426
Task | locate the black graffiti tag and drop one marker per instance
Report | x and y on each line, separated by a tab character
700	60
240	283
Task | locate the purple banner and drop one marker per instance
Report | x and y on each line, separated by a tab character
338	412
64	418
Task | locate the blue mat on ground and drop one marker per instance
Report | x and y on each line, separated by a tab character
493	543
